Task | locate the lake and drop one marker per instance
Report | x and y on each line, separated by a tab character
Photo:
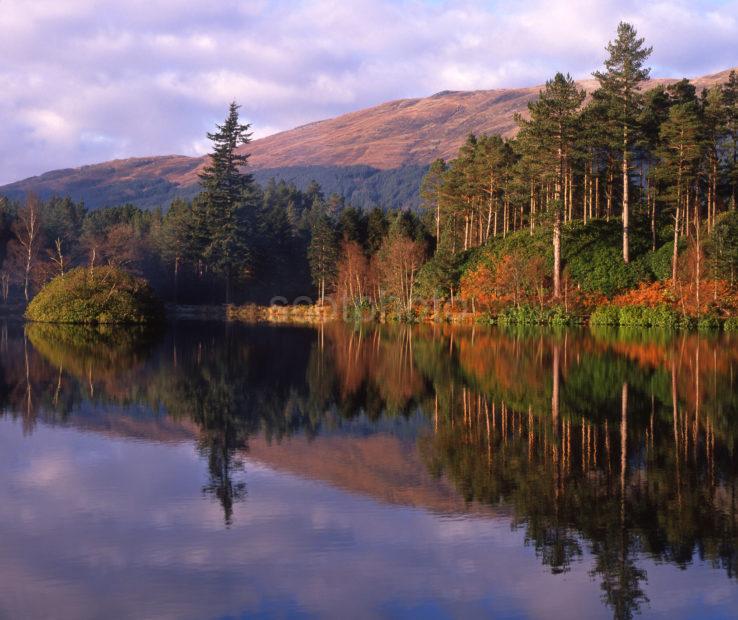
226	471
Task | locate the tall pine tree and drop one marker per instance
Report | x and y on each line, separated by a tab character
228	196
624	72
551	137
323	254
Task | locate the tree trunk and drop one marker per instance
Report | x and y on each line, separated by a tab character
675	254
626	198
698	260
557	253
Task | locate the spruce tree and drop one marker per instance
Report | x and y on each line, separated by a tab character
624	73
228	197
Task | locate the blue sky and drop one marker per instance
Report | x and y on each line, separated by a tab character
83	81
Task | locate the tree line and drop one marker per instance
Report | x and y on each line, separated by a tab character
235	241
660	164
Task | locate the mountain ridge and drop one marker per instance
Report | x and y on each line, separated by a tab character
385	137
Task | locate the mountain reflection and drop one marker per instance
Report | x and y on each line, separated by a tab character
616	444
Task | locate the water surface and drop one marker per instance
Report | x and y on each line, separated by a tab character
235	471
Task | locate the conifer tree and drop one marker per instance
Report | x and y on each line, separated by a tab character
228	196
175	238
551	135
730	99
679	159
430	195
624	73
323	254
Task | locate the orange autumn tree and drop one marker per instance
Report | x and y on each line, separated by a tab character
512	278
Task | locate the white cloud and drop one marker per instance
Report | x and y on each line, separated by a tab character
151	76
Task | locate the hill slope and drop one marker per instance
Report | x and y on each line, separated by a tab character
387	137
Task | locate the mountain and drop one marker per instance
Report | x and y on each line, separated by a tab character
373	156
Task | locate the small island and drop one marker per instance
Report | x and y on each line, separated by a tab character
96	295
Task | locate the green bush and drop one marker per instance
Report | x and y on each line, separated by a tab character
98	296
731	324
592	256
604	271
660	261
708	322
636	316
605	315
532	315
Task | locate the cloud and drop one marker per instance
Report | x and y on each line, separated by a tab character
84	81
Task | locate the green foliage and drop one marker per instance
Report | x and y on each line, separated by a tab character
660	261
100	295
533	315
708	323
439	276
637	316
228	199
731	324
594	261
605	315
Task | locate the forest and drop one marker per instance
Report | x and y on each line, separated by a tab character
617	206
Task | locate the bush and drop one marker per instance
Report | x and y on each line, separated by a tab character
604	271
605	315
660	261
531	315
708	322
97	296
637	316
731	324
593	259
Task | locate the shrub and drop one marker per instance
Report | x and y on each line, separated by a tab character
604	271
97	296
660	260
532	315
708	322
605	315
731	324
637	316
593	259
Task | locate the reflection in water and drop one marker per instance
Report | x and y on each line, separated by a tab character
614	446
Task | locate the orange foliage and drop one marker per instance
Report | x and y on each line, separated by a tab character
715	296
512	280
649	294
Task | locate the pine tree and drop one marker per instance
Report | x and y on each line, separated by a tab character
376	229
713	112
551	136
228	197
730	99
654	112
176	238
430	195
679	156
323	254
625	71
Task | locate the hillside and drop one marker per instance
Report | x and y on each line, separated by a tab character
373	156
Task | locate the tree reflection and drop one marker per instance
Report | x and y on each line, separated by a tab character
613	445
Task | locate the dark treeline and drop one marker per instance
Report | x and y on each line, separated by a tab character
235	241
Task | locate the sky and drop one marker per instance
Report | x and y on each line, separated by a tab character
84	81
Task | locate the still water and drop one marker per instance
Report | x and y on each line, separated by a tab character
227	471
